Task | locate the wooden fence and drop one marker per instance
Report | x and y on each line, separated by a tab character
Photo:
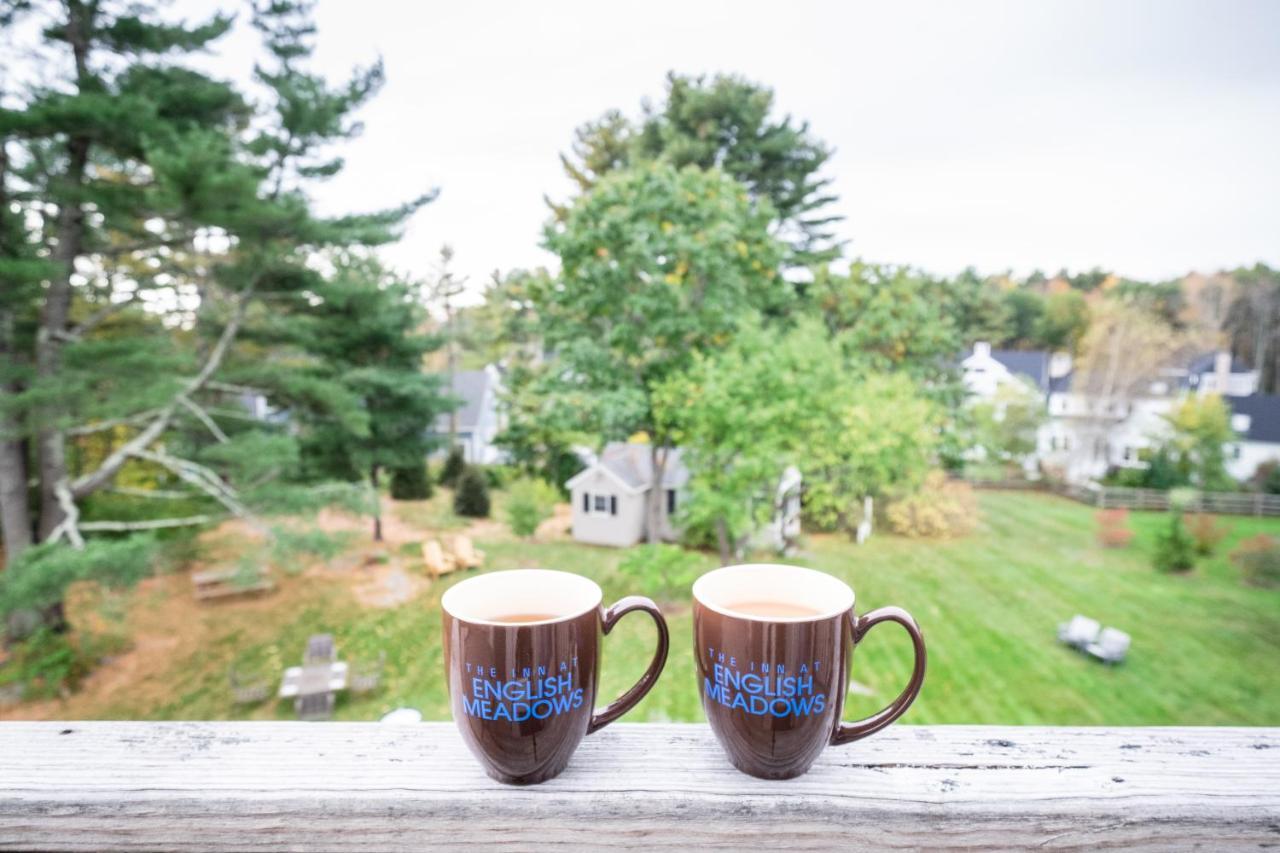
1116	497
108	786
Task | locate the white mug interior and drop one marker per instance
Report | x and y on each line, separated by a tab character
486	599
722	589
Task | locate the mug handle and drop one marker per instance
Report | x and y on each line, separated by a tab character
628	700
847	732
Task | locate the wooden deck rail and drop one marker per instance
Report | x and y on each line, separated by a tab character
362	787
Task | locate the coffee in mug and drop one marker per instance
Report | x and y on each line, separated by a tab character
522	654
773	645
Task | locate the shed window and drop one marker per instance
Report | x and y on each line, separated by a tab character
600	503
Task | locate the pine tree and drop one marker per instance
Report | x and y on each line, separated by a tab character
472	496
362	402
159	185
454	465
410	483
723	122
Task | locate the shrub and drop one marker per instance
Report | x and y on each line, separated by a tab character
410	483
1206	532
38	579
660	570
1259	560
529	502
940	508
454	465
471	498
1113	528
46	664
498	476
1267	478
1175	549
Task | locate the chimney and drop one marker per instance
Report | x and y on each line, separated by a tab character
1221	371
982	349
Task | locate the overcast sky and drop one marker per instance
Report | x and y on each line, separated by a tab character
1138	136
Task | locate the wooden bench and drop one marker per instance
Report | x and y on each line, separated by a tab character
364	787
220	583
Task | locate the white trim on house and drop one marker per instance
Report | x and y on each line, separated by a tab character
580	477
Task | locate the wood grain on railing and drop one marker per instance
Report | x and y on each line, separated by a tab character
365	787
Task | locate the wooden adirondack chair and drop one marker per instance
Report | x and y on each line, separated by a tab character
437	562
465	553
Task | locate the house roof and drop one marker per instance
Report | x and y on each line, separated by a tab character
631	465
470	388
1206	361
1033	364
1264	416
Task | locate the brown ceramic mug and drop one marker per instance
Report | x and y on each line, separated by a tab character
522	651
773	645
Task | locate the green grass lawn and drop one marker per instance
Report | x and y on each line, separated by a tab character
1204	645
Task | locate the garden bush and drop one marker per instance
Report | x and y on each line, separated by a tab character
454	465
529	503
941	507
498	476
1175	548
1113	528
410	483
1258	558
660	570
1206	532
471	495
38	579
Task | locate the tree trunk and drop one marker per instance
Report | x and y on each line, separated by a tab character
724	543
653	500
15	514
50	440
377	504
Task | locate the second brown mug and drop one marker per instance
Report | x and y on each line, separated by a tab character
773	645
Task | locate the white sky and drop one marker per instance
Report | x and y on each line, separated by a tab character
1137	136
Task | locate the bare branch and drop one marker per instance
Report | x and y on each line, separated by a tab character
216	385
200	477
152	494
71	515
203	417
97	317
152	524
101	426
96	479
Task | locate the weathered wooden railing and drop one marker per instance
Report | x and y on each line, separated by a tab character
361	787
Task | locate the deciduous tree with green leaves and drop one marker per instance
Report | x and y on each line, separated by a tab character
656	263
1200	432
886	435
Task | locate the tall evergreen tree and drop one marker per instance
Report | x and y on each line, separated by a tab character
724	122
141	182
362	333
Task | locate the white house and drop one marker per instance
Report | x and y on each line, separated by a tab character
479	415
609	499
1082	439
1256	420
609	495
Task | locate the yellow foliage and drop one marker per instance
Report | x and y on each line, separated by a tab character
940	508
